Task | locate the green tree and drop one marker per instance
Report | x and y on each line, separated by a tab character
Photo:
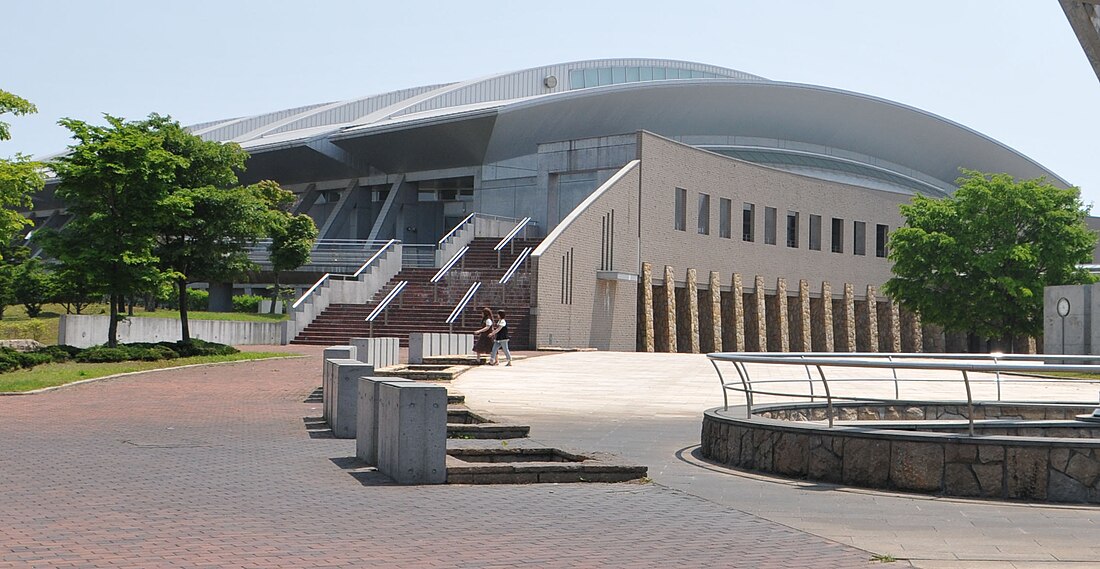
977	261
33	286
292	238
113	181
19	176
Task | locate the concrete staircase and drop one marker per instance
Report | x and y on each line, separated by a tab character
423	307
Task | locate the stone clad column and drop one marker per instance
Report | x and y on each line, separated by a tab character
645	325
670	308
714	286
870	323
780	337
733	334
891	328
912	339
802	338
760	315
690	341
823	321
846	331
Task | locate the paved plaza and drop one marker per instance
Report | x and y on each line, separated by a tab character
213	467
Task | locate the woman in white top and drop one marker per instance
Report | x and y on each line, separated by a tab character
500	339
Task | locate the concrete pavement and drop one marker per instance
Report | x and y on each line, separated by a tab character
648	408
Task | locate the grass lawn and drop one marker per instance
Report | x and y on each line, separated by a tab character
16	324
49	375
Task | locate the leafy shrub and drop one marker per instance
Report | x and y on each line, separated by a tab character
42	330
247	303
197	299
202	348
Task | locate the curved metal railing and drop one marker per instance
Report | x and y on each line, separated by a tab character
965	364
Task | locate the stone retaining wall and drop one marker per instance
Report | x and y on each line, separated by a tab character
1055	469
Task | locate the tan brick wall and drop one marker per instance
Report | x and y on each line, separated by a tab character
667	165
582	311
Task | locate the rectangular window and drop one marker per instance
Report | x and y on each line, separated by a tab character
725	218
704	214
748	221
815	232
838	235
792	229
604	74
576	78
769	225
591	77
681	209
859	238
881	234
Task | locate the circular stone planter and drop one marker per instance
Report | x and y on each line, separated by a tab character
1020	450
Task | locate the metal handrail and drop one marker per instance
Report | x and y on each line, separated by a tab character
456	228
466	298
511	234
449	264
963	363
356	274
385	303
515	266
373	258
310	290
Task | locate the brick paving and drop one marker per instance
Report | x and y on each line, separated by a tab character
213	467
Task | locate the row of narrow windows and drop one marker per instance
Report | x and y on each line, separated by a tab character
748	226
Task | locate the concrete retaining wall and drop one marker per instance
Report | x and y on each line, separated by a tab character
84	331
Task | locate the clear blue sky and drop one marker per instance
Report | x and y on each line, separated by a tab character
1012	69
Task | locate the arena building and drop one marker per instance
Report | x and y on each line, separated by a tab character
648	181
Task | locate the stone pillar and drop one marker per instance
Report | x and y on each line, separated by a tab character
733	333
889	326
779	339
759	316
846	321
714	287
645	322
412	432
935	341
822	336
802	337
912	340
868	323
1024	345
691	333
670	309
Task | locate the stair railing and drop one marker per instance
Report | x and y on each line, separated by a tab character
507	240
511	272
460	308
442	272
458	237
383	305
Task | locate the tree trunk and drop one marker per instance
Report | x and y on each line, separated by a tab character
275	295
183	310
130	306
112	328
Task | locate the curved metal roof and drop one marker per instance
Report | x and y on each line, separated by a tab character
808	129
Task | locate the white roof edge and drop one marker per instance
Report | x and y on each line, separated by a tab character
582	207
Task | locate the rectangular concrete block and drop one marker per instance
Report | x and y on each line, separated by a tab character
426	344
379	352
345	381
328	390
412	432
366	418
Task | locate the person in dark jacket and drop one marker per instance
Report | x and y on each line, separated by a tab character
500	339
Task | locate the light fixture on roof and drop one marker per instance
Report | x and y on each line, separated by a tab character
550	81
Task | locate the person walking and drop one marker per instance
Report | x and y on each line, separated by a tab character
483	340
500	339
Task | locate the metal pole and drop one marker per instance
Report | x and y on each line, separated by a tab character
998	379
969	402
722	382
745	385
809	377
897	391
828	394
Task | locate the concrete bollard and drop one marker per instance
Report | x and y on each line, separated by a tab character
412	432
345	381
366	418
327	389
426	344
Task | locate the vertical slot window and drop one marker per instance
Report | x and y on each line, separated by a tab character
838	235
681	209
725	218
815	232
704	214
748	222
769	225
859	238
792	229
882	232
